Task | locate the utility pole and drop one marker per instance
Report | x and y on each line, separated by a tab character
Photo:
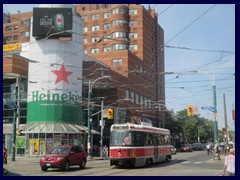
15	116
102	124
225	119
215	114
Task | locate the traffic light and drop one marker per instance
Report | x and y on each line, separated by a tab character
110	113
190	111
19	132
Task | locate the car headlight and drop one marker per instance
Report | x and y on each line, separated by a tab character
60	158
43	158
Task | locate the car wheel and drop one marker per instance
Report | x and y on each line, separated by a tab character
67	166
82	164
44	168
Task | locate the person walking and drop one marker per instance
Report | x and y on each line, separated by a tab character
4	159
208	149
105	152
229	164
217	152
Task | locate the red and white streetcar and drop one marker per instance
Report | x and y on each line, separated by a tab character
136	145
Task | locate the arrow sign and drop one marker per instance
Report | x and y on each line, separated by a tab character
210	108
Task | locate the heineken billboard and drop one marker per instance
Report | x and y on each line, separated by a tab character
49	22
55	85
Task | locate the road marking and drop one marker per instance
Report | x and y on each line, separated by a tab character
185	162
198	162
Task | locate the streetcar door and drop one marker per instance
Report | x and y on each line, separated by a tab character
155	150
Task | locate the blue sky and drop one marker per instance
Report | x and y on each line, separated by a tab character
200	28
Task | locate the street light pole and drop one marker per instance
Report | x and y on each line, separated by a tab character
102	127
215	128
89	144
215	114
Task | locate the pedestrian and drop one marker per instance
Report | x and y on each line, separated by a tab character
229	164
217	153
4	159
211	148
208	149
105	152
82	146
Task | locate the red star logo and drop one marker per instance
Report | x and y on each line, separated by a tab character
59	20
62	74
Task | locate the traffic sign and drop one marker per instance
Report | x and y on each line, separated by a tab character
210	108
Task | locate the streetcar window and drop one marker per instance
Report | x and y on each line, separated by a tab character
138	139
121	138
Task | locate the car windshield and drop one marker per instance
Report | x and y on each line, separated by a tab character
60	150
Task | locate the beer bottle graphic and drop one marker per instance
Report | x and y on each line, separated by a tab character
59	22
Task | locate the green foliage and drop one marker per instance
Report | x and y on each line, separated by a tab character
190	126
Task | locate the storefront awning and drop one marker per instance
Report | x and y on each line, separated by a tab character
55	128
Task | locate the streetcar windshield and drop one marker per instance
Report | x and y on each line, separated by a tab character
121	139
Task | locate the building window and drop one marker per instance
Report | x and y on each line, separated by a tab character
84	40
137	99
95	28
84	18
141	100
25	34
95	16
119	23
107	49
95	39
120	11
85	29
84	51
127	94
133	35
132	47
116	62
119	47
15	37
25	23
107	26
8	28
8	38
132	11
94	50
119	35
133	23
107	38
146	102
15	27
106	15
132	97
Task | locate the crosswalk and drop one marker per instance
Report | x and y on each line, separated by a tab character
191	162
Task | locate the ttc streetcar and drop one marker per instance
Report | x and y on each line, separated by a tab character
134	145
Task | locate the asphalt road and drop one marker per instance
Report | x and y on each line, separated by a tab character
196	163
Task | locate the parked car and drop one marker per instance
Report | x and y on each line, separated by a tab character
186	148
173	149
197	146
63	157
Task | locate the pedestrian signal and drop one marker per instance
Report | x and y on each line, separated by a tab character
19	132
190	111
110	113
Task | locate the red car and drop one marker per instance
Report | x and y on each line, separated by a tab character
63	157
186	148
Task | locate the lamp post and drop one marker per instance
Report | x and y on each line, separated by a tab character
89	114
215	128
